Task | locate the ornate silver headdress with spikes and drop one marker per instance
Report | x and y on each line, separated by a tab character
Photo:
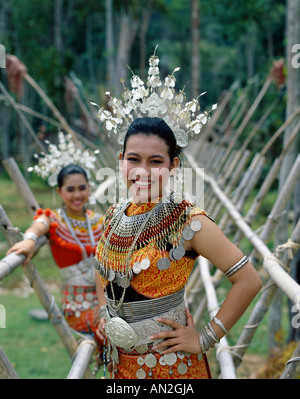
65	153
157	100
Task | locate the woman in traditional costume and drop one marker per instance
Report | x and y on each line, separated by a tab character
73	232
149	246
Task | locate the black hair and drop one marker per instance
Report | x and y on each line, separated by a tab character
71	169
157	127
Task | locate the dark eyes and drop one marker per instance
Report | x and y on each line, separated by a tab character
71	189
153	161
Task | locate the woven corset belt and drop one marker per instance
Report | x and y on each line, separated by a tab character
132	312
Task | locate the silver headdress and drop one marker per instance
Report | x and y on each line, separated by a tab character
65	153
157	100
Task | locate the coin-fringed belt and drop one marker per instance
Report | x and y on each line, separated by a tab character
135	336
78	299
81	273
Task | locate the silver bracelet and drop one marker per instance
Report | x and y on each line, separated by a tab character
220	324
41	220
233	269
30	236
207	338
103	312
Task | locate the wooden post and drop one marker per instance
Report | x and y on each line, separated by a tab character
82	358
55	316
265	300
21	184
223	355
6	369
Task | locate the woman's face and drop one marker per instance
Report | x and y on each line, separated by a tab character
146	167
75	193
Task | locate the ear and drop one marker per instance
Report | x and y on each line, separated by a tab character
174	166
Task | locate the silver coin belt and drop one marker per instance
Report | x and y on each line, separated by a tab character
78	299
144	347
176	253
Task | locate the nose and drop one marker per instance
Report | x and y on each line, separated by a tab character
140	172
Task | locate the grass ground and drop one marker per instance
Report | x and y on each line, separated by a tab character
33	346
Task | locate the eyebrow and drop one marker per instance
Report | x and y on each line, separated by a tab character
137	155
81	185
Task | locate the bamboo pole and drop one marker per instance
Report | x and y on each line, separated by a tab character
284	256
82	358
55	316
21	184
22	117
292	367
247	118
223	355
12	261
6	368
281	277
280	203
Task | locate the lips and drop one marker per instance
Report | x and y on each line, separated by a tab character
143	183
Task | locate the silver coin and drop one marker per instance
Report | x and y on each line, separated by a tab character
73	306
178	252
136	268
145	263
141	348
188	233
79	298
77	313
141	374
170	358
182	368
80	290
89	296
124	282
162	361
86	304
195	225
140	361
111	275
171	254
163	264
70	298
71	289
199	357
180	355
150	360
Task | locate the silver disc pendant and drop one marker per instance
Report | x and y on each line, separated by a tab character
162	361
136	268
145	263
195	225
150	360
124	282
199	357
140	361
163	264
141	348
188	233
111	275
141	374
178	252
182	368
170	358
171	254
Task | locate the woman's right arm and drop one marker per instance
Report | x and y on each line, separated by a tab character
39	227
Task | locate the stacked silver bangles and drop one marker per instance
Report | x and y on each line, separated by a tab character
207	336
237	266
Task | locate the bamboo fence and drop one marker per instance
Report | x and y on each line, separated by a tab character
231	174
